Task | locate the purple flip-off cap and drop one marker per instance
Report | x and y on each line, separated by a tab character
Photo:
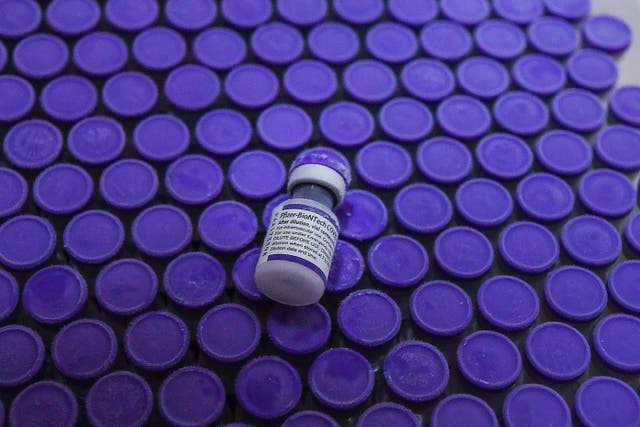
194	280
416	371
463	252
398	261
126	16
615	339
194	179
362	216
573	10
126	287
54	294
222	132
257	174
553	36
192	87
284	127
545	197
413	12
129	94
578	110
591	240
17	99
508	303
333	42
44	402
162	231
219	48
229	333
575	293
359	12
243	274
483	77
603	401
484	202
310	81
500	39
271	206
100	54
504	156
303	14
62	189
593	70
347	268
369	81
369	318
467	12
608	33
310	418
73	17
622	285
570	356
332	370
632	232
13	192
518	11
251	85
441	308
26	241
391	42
529	247
422	208
299	330
388	414
128	184
459	410
159	48
190	15
607	193
156	341
489	360
93	237
444	160
84	349
624	104
161	138
119	399
384	165
446	40
427	79
534	403
405	120
40	56
9	295
618	146
246	14
19	17
463	117
96	140
346	124
521	113
69	98
268	387
539	74
563	152
22	352
277	43
326	157
227	226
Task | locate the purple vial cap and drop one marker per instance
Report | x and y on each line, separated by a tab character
100	54
463	252
391	42
529	247
3	56
539	74
222	132
194	280
228	333
601	401
346	124
398	261
62	189
564	152
553	36
227	226
622	284
326	157
13	192
246	14
504	156
413	12
607	193
310	81
243	274
162	231
206	399
405	120
362	216
578	110
458	410
618	146
19	17
483	77
427	79
45	402
369	318
219	48
194	179
304	13
73	17
545	197
22	352
159	48
508	303
40	56
84	349
446	40
530	404
310	418
119	399
632	232
54	294
126	287
93	237
422	208
257	174
489	360
467	12
416	371
518	11
284	127
388	414
521	113
592	70
591	241
17	99
464	117
69	98
573	10
161	138
607	32
575	293
484	202
271	206
299	330
277	43
332	370
347	268
130	94
26	241
128	184
251	85
96	140
625	104
9	295
268	387
441	308
192	87
359	12
126	16
369	81
156	341
500	39
444	160
333	42
190	15
384	165
615	340
570	356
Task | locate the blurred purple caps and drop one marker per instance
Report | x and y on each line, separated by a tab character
333	42
621	284
159	48
427	79
615	339
194	179
578	110
602	400
129	94
222	132
467	12
243	274
13	192
405	120
120	399
284	127
227	226
277	43
607	193
446	40
161	138
219	48
575	293
26	241
607	32
17	99
591	241
100	54
518	11
444	160
228	333
463	252
508	303
441	308
369	318
529	247
623	104
299	330
162	231
192	87
458	410
246	14
483	77
632	232
463	117
500	39
96	140
304	13
306	418
484	202
573	10
362	216
346	124
369	81
545	197
128	184
23	354
521	113
422	208
388	413
563	152
46	402
190	15
310	81
359	12
347	268
384	165
69	98
126	287
194	280
19	17
398	261
539	74
504	156
251	85
62	189
40	56
592	70
553	36
326	157
257	174
533	403
93	237
391	42
618	146
413	12
9	295
131	17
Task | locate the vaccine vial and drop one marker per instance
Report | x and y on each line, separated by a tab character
301	239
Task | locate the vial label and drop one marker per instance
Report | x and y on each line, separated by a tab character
302	232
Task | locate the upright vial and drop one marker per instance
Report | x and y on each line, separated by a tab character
301	238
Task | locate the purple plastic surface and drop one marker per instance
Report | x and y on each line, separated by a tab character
192	87
569	9
243	274
227	226
333	42
578	110
441	308
257	174
129	94
446	40
228	333
362	216
219	48
467	12
518	11
131	17
13	192
463	117
347	268
632	232
69	98
310	81
398	261
26	241
306	418
246	14
128	184
540	74
302	13
299	330
607	193
62	189
162	231
384	165
221	132
413	12
159	48
18	98
93	237
531	404
529	247
405	120
608	33
19	17
96	140
3	56
618	146
575	293
100	54
126	287
563	152
251	85
119	399
284	127
40	56
391	42
359	12
592	241
483	202
388	414
521	113
615	340
500	39
23	354
369	318
427	79
9	295
621	285
277	43
346	124
459	410
190	15
44	402
570	356
601	401
483	77
444	160
194	179
553	36
623	104
545	197
504	156
508	303
592	70
369	81
422	208
194	280
463	252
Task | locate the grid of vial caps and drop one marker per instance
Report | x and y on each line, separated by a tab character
485	271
